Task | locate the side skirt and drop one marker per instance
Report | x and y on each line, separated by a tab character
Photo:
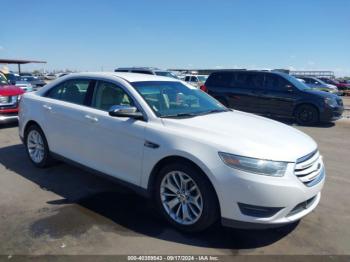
137	189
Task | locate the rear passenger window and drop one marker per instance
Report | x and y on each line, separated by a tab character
256	81
73	91
220	79
248	81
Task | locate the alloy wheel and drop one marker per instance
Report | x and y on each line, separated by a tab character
181	198
35	146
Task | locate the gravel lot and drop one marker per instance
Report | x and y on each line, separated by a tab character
64	210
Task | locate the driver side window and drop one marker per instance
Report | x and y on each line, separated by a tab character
107	95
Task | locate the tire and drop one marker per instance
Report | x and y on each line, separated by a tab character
195	219
306	115
35	140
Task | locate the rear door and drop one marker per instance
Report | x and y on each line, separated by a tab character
218	85
278	96
65	114
248	88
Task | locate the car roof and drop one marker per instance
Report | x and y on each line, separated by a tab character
130	77
231	71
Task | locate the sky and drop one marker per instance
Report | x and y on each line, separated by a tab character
104	34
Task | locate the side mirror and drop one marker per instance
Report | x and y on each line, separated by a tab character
125	111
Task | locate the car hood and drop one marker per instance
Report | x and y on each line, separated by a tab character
245	134
321	94
10	90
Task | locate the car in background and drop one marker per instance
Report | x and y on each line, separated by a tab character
343	85
25	86
320	85
273	94
9	100
197	160
323	88
147	70
12	78
25	74
50	76
314	82
196	80
34	81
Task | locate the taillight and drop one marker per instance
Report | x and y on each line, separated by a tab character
204	88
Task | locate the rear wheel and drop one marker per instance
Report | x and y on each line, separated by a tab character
37	148
306	115
185	198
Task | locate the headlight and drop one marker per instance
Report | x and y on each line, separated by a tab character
331	102
254	165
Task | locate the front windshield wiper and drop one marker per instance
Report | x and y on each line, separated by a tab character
215	111
197	113
180	115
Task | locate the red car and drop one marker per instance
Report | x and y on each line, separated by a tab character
9	98
338	84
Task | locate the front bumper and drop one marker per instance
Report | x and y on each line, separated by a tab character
284	194
8	117
331	113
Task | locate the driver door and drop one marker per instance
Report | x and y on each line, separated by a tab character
115	144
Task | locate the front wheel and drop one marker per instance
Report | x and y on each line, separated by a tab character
306	115
186	198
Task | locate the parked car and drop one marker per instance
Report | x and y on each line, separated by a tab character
340	86
25	86
197	159
317	83
147	70
322	87
35	82
12	78
273	94
196	80
25	74
344	85
50	76
9	97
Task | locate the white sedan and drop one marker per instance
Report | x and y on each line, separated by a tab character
198	160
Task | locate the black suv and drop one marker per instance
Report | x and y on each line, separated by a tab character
273	93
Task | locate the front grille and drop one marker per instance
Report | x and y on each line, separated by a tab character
8	100
309	169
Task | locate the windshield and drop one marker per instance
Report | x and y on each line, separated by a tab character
174	99
3	80
298	84
202	78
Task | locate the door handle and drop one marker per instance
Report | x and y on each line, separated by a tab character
91	118
47	107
